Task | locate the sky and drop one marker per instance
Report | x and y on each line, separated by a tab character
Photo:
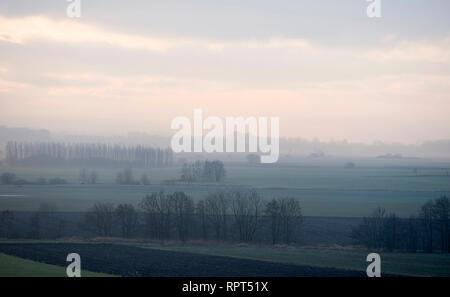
325	68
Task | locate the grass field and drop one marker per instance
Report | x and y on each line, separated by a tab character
324	190
393	263
11	266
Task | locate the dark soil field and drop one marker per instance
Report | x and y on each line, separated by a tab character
127	260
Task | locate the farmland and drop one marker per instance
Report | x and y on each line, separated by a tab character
134	261
323	189
149	259
333	200
407	264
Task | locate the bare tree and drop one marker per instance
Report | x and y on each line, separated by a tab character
291	217
6	224
213	171
127	217
285	217
88	153
145	180
83	176
7	178
274	214
426	217
441	212
45	222
100	219
158	207
183	208
201	212
370	231
125	177
246	208
207	171
412	234
390	229
86	177
93	177
216	209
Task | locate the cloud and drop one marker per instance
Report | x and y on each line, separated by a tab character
408	51
32	28
7	86
325	89
26	29
36	28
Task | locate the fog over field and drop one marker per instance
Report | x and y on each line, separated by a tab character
225	138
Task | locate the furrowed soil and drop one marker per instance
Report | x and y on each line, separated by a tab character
128	260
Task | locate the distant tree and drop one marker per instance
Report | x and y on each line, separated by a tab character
216	210
183	208
291	218
100	219
201	212
350	165
93	177
57	181
285	217
41	181
125	177
390	231
8	178
45	223
158	207
83	177
246	210
370	232
274	214
426	214
21	181
145	180
412	234
207	171
127	217
441	212
63	153
187	174
35	226
6	224
219	171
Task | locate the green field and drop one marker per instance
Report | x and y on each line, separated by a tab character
11	266
394	263
324	189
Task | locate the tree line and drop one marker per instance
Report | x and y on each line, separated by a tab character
426	231
203	171
94	153
221	216
8	178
